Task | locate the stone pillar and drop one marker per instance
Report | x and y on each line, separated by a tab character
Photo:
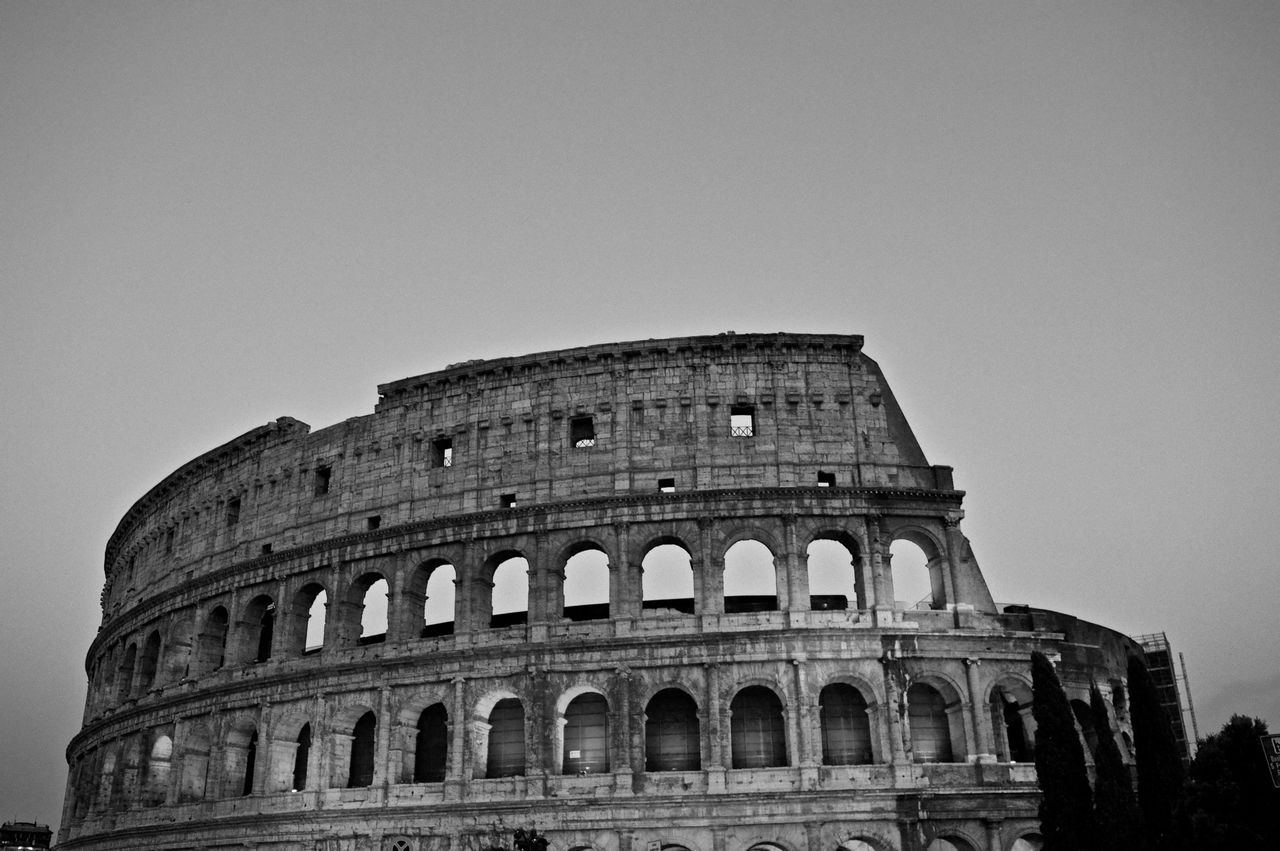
382	742
993	835
952	568
881	574
625	589
714	725
802	720
708	573
262	759
795	584
981	746
321	747
895	683
467	584
622	749
455	784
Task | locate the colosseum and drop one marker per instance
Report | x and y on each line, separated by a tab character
638	596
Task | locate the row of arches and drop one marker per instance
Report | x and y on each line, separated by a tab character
347	747
432	600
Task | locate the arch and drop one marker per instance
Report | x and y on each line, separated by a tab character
951	842
361	763
757	730
509	601
149	662
672	732
586	735
195	763
179	647
586	583
855	844
301	758
211	650
666	577
257	630
506	747
107	781
431	745
845	726
930	724
832	563
913	577
1028	842
438	580
124	675
364	611
750	578
240	748
1009	705
308	619
156	786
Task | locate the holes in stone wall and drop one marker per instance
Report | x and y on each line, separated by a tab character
431	745
586	586
321	479
363	736
442	452
912	584
373	609
742	421
438	605
667	579
582	432
510	600
750	579
833	579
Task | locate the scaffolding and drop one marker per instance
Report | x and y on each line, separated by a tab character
1172	687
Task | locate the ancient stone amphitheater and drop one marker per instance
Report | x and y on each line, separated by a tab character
638	596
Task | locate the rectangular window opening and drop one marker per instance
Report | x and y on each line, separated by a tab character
442	452
373	522
667	485
826	480
508	500
266	549
323	474
168	541
582	432
233	511
742	421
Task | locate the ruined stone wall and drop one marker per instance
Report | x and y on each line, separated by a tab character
202	686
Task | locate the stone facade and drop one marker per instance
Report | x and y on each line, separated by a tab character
671	712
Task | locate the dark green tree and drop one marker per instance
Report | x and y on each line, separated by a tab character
1115	807
1229	800
1066	807
1158	756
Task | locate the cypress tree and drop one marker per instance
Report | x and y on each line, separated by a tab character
1115	808
1159	760
1066	807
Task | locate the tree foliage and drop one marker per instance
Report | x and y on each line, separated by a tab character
1115	807
1066	809
1229	800
1158	756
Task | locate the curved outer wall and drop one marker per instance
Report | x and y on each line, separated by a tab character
209	722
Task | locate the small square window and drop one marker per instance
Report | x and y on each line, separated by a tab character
667	485
582	432
373	522
508	500
826	480
266	549
168	541
742	421
323	474
442	452
233	511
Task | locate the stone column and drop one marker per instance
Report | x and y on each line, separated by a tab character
980	719
262	759
622	740
881	575
708	572
796	574
382	744
625	589
802	721
455	784
715	766
896	708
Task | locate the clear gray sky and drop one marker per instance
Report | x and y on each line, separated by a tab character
1057	225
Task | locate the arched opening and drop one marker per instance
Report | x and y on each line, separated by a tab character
106	783
178	649
833	575
257	630
750	579
950	843
301	758
506	739
672	735
586	586
431	751
149	662
241	760
913	582
438	605
367	606
667	579
846	728
308	616
510	601
586	735
856	845
930	727
156	787
1028	842
758	734
212	651
1084	719
124	677
1009	708
195	764
362	751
